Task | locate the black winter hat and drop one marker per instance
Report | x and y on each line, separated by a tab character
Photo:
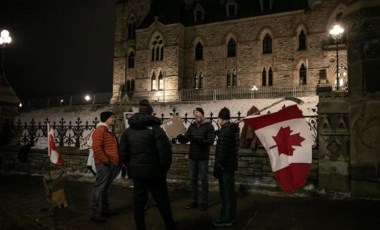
105	115
199	109
224	114
145	107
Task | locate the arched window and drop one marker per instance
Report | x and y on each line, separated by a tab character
198	81
267	44
270	77
264	78
131	60
231	48
162	53
302	41
154	81
160	81
131	28
234	78
228	79
157	49
198	51
303	75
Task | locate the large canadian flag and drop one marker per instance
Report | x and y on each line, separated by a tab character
287	139
53	151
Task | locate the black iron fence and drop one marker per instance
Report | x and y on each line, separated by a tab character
71	134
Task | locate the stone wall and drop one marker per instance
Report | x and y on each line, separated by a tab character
254	167
180	67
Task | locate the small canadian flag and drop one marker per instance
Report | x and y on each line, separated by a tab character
286	137
53	151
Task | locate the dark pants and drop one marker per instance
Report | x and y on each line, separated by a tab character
227	196
105	174
199	167
158	188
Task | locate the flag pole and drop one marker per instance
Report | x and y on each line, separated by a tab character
48	135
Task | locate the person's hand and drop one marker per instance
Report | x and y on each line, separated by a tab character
181	138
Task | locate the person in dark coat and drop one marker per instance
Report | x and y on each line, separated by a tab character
201	134
226	163
146	151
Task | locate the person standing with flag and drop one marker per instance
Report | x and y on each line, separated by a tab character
106	156
226	163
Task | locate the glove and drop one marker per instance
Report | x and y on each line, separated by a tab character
218	171
217	132
182	139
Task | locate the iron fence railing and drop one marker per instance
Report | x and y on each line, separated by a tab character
70	134
247	93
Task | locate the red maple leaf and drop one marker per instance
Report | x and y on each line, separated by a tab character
285	140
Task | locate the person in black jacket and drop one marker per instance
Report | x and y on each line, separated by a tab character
146	151
201	134
226	163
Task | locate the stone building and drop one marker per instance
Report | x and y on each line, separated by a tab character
167	46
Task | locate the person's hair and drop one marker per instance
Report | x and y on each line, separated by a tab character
145	107
105	115
224	114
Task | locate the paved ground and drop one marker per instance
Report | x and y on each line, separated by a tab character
23	206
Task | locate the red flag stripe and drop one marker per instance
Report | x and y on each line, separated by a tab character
288	113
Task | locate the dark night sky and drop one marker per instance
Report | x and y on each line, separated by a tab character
59	47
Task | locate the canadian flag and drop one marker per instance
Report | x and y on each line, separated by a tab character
287	139
53	151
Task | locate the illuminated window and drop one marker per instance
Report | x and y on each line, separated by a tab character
154	81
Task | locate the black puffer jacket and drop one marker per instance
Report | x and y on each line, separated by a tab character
227	147
201	137
145	148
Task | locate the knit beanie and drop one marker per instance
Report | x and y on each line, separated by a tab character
224	114
199	109
145	107
105	115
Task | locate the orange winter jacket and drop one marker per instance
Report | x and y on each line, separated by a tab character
104	145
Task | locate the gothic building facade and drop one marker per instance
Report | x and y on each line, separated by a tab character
163	47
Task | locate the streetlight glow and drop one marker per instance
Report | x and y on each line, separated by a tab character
336	33
5	38
87	98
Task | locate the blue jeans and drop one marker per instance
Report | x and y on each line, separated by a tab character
105	174
199	167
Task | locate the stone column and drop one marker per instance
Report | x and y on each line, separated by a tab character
333	138
362	20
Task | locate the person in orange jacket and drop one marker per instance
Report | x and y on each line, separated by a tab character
106	156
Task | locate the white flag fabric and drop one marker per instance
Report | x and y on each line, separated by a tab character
53	151
287	139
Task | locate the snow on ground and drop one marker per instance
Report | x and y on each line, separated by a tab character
90	112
